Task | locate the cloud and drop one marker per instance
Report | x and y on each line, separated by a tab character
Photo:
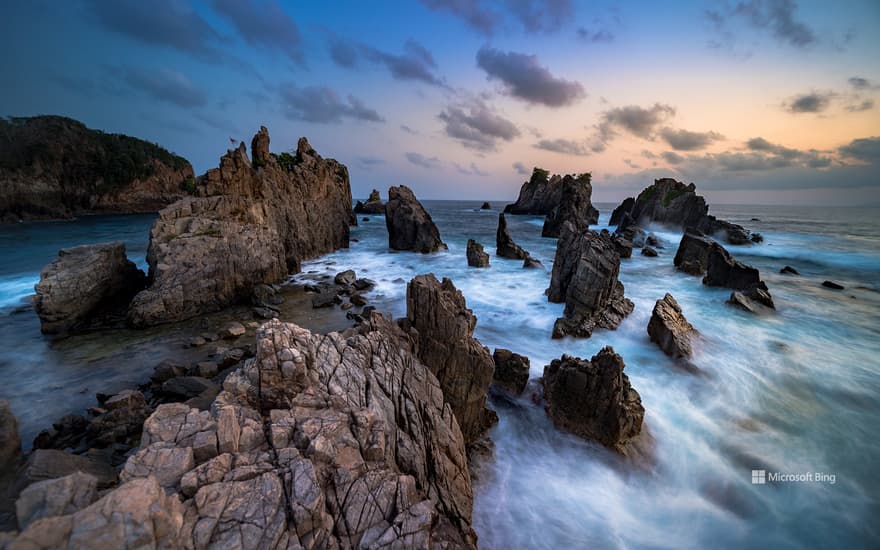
865	105
775	16
541	15
635	120
813	102
470	11
525	78
601	35
343	53
759	155
761	144
685	140
409	130
860	83
672	158
263	24
164	85
477	126
320	104
415	63
486	16
421	160
863	149
473	170
369	162
520	168
564	146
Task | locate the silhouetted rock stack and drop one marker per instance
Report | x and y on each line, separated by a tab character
574	206
486	206
86	286
692	256
374	204
669	329
505	247
476	256
584	277
253	223
593	399
410	227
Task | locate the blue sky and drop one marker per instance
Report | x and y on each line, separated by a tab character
755	101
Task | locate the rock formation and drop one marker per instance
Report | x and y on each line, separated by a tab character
593	399
476	256
669	329
692	256
486	206
252	223
504	245
445	343
574	206
374	204
410	227
321	441
511	371
10	441
673	203
726	271
53	167
584	277
85	283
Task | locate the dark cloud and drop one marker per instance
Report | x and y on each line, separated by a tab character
760	155
320	104
859	83
164	85
523	77
761	144
487	15
520	168
777	17
477	126
263	24
600	35
541	15
672	158
564	146
685	140
865	105
863	149
369	162
813	102
343	53
471	11
421	160
409	130
415	63
472	170
638	121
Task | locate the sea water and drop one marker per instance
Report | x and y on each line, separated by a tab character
779	395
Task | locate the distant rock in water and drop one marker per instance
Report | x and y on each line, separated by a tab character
505	247
584	277
486	206
476	256
574	206
648	251
511	371
252	223
788	270
54	167
410	227
374	204
832	284
669	329
85	287
673	203
594	399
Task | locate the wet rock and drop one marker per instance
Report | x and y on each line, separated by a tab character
650	252
486	206
55	497
584	277
196	342
208	369
45	464
476	257
83	284
532	263
64	434
724	270
751	300
167	370
346	278
593	399
511	371
543	193
184	387
574	206
788	270
364	284
126	399
832	285
446	345
410	227
623	246
232	331
624	207
504	245
373	205
756	237
327	298
10	441
252	223
653	241
669	329
265	296
692	256
357	299
264	313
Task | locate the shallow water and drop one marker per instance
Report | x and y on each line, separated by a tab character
791	392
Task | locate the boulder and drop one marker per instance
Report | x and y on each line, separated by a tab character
232	330
752	299
326	298
446	345
788	270
692	256
832	285
185	387
251	223
55	497
584	277
65	433
724	270
83	283
486	206
511	371
669	329
504	245
593	399
533	263
650	252
45	464
345	278
167	370
373	205
623	246
574	206
476	257
410	227
10	441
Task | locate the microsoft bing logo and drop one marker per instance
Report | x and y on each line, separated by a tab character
759	477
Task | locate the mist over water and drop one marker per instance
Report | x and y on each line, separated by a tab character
794	391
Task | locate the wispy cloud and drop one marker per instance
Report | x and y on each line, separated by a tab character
522	76
320	104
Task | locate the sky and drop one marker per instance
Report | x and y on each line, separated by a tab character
756	101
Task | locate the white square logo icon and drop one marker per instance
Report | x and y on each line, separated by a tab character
759	477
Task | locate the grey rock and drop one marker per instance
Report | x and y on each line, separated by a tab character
669	329
10	441
832	285
184	387
166	370
788	270
504	245
410	227
476	256
232	330
43	464
373	205
346	278
574	206
692	256
55	497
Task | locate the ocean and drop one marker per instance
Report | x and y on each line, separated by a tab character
792	394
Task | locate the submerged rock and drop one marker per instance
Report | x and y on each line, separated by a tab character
252	223
410	227
669	329
584	277
476	256
593	399
511	371
85	283
374	205
573	206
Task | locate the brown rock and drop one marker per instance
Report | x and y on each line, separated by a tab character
692	256
410	227
669	329
504	245
374	205
650	252
476	257
10	441
511	371
574	206
55	497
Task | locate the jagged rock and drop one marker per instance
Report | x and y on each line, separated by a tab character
624	208
364	284
260	147
724	270
84	283
232	330
788	270
476	257
446	345
692	256
167	370
126	399
121	423
55	497
504	245
751	299
574	206
669	329
542	193
64	434
209	369
832	285
373	205
486	206
45	464
593	399
533	263
756	237
265	296
251	224
584	277
357	299
410	227
162	460
185	387
511	371
623	246
650	252
327	298
345	278
54	167
10	441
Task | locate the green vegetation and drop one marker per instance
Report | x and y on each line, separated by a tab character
585	176
286	160
539	175
190	185
647	194
672	195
